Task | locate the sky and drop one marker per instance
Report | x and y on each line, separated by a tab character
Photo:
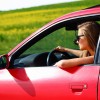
6	5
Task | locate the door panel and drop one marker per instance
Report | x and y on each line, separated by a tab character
83	85
49	83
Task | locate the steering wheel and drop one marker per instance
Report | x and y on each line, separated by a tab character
55	56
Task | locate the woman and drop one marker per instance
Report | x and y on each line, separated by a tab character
87	39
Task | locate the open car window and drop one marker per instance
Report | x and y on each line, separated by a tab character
59	37
39	51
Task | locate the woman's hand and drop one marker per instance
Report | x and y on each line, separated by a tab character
59	48
63	64
59	64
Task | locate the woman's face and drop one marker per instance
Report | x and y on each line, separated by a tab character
82	42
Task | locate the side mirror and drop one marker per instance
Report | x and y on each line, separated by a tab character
4	61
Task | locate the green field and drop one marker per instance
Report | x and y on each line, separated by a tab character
16	25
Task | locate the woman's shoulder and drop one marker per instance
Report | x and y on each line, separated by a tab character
84	53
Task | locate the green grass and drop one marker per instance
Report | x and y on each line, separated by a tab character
16	25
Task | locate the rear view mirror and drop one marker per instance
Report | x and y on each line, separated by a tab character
3	61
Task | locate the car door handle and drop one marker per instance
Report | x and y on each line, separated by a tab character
78	88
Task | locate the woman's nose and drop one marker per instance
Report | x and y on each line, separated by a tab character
77	42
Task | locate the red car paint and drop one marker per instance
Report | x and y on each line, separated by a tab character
50	84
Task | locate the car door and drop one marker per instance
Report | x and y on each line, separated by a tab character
49	83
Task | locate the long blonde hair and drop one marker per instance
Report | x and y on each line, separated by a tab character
91	30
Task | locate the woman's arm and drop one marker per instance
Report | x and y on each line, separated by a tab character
74	62
75	52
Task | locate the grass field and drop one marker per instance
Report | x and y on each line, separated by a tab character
16	25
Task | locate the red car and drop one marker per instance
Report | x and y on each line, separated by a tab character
27	71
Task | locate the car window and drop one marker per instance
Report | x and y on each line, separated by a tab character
59	37
37	54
